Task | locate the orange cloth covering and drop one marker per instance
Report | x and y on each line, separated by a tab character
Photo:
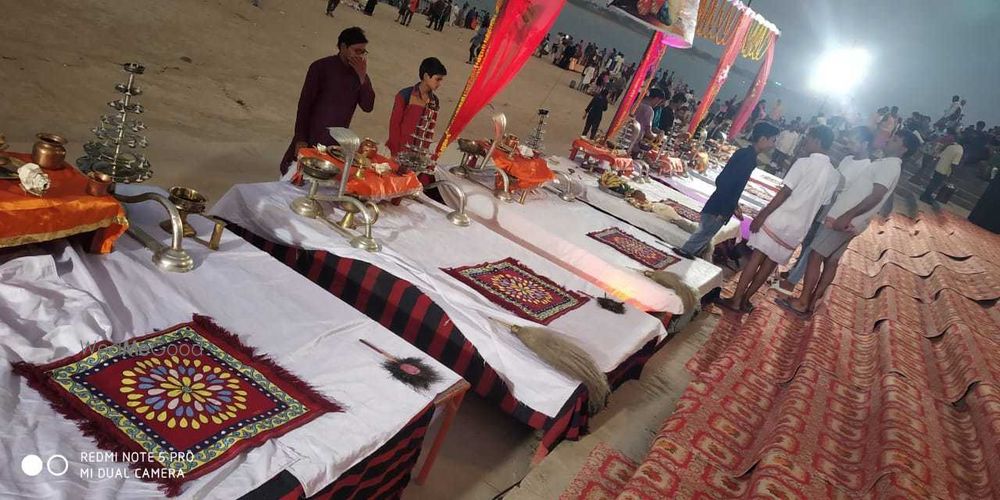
670	165
372	186
64	210
622	164
529	172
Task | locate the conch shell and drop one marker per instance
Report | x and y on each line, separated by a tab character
33	180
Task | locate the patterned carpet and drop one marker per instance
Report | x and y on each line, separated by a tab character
891	390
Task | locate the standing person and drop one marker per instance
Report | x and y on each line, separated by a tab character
759	112
543	48
411	102
986	213
784	148
411	7
593	114
852	167
778	113
331	5
950	157
669	114
434	13
370	7
476	43
866	189
781	225
886	127
588	78
445	16
951	114
725	200
460	16
334	87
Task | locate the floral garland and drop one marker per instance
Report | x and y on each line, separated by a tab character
717	19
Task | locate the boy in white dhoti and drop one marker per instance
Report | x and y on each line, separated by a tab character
783	223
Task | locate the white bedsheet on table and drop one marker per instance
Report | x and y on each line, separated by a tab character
558	230
417	241
54	304
648	221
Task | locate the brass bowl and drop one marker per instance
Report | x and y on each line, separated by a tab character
318	168
188	200
472	147
510	142
368	148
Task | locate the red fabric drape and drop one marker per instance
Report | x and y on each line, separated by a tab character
651	59
754	92
733	46
514	33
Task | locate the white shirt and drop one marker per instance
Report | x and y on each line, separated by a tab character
950	157
786	141
860	179
813	182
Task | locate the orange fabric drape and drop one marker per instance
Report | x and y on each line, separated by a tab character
733	47
64	210
373	186
514	34
651	59
755	91
529	172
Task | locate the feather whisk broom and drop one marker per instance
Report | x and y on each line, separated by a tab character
567	358
410	371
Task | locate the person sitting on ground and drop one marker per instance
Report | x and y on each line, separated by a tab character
866	189
783	223
725	201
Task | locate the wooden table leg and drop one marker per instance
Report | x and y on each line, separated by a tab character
451	405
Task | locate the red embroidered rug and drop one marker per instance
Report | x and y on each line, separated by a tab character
184	400
515	287
602	476
684	211
636	249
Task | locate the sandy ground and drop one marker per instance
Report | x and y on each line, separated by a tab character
226	116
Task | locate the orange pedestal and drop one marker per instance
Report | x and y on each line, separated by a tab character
64	210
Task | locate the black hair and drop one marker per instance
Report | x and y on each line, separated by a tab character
822	133
895	109
679	98
952	130
955	98
864	133
351	36
980	125
761	130
432	66
655	94
910	141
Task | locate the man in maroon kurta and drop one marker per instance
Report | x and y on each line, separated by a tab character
334	87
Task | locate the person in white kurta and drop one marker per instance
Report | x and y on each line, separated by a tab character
784	222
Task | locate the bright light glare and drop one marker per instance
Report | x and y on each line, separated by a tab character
840	70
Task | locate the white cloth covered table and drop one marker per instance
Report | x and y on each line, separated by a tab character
647	221
558	230
54	304
417	242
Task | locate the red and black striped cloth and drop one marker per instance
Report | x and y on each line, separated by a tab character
402	308
383	474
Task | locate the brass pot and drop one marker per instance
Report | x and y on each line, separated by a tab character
98	183
368	148
49	152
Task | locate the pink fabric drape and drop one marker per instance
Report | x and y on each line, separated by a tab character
651	59
516	30
733	47
755	91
